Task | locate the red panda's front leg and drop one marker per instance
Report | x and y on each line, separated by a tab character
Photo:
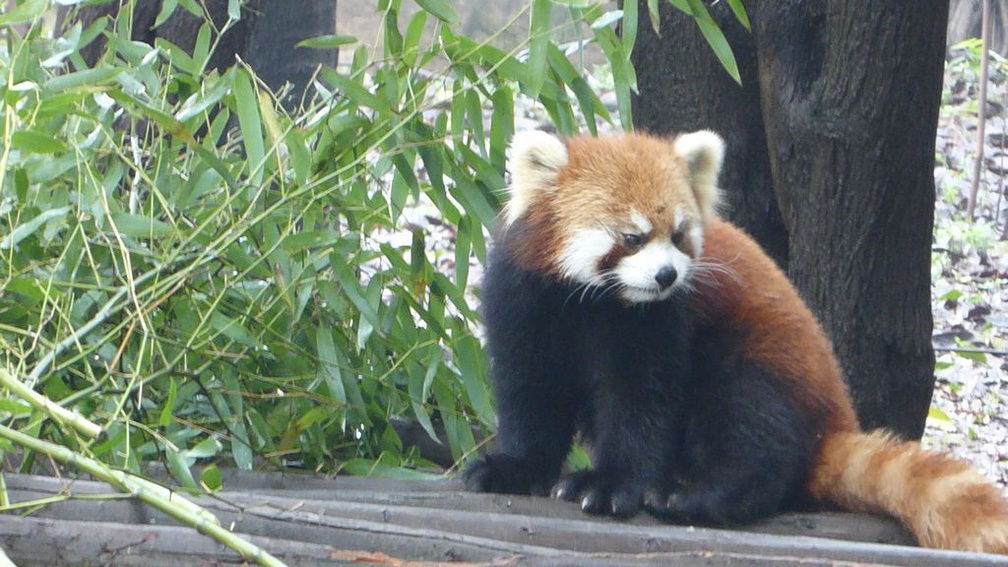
637	364
536	379
632	441
535	430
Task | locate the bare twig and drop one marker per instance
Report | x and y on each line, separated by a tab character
982	113
972	350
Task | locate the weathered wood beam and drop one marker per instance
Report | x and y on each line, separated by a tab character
418	521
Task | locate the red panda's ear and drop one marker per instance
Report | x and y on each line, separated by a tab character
703	152
536	160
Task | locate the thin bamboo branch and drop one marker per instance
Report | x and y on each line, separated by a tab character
154	495
110	307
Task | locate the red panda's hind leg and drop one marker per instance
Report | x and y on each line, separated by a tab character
746	452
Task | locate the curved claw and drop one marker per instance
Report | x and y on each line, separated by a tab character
600	493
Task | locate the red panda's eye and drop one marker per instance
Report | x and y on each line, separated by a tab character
678	236
632	241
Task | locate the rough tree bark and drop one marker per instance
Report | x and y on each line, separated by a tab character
265	37
848	102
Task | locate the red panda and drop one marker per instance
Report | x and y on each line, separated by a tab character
620	306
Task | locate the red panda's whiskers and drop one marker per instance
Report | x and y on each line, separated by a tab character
710	273
612	282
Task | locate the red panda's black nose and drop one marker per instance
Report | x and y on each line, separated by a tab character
666	276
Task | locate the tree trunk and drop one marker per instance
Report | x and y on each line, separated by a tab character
849	95
683	88
273	50
265	37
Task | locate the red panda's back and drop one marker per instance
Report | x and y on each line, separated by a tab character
747	293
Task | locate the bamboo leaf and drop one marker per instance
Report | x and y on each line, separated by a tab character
26	229
24	12
179	467
211	479
140	226
502	121
167	9
655	16
463	247
715	38
740	13
247	108
440	9
327	41
89	78
414	32
629	27
241	445
201	101
364	467
469	357
36	142
169	406
232	329
329	365
420	389
539	28
938	415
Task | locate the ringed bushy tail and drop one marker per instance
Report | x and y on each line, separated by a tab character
943	501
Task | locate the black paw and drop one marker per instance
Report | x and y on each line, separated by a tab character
505	475
670	505
600	493
681	505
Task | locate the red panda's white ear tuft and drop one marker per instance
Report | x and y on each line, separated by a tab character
536	160
703	152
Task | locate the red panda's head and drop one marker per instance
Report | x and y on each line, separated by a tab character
621	215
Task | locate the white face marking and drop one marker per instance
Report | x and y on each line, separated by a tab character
695	235
582	252
640	221
678	218
636	273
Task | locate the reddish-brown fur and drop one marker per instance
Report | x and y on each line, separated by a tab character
941	500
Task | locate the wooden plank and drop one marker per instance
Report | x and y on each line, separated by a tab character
47	542
440	495
418	532
451	495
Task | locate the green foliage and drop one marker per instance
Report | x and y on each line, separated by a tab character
204	274
965	57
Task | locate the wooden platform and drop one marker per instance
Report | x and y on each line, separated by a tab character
308	520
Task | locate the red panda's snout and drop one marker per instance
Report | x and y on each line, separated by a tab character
652	273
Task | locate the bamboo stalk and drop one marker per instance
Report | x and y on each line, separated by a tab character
154	495
51	408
